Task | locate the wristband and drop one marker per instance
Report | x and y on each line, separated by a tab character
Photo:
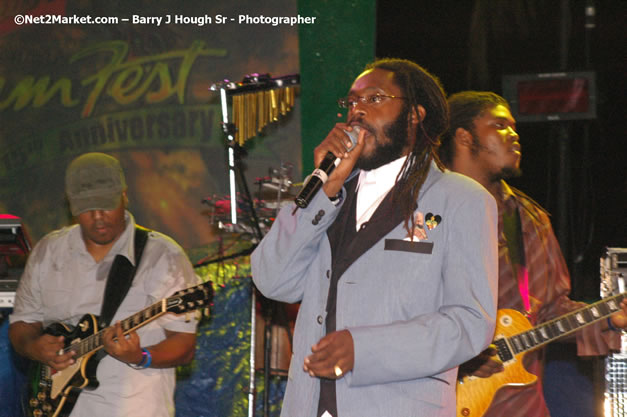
145	362
337	198
611	327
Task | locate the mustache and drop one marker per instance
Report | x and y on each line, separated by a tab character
360	122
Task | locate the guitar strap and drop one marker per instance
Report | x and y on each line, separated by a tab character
512	227
121	277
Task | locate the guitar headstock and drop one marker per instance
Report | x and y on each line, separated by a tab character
190	299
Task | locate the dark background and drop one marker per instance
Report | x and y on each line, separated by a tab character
471	44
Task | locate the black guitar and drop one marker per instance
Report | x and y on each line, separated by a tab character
53	393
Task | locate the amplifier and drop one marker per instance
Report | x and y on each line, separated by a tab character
7	299
14	249
7	292
613	274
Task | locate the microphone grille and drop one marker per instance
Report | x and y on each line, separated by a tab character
353	135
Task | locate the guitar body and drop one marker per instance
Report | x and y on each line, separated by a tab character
474	395
53	393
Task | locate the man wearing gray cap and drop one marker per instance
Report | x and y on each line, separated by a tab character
66	276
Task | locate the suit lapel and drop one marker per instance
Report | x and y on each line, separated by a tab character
347	245
385	218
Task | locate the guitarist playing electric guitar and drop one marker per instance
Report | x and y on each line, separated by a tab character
66	276
482	143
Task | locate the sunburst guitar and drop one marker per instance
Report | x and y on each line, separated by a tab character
54	393
514	337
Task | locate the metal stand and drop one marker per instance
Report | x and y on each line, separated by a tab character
235	170
254	113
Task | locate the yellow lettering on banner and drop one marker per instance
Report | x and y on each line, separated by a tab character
28	90
126	86
127	81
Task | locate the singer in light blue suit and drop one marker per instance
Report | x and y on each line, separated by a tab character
394	260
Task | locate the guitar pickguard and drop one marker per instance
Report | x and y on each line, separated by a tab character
61	379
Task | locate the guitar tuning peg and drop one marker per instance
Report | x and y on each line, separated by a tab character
206	312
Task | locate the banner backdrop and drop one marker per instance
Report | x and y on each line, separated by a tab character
132	79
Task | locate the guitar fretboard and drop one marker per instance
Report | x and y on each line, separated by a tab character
94	341
554	329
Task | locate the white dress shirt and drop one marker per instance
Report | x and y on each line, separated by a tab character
373	186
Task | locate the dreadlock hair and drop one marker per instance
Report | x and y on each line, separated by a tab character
420	88
464	108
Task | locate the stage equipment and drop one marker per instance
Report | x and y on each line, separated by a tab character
256	101
613	273
14	248
276	190
551	96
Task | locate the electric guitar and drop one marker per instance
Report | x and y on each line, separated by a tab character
514	336
53	393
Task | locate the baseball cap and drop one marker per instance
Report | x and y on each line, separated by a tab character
94	181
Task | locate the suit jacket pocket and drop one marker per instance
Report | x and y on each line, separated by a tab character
407	246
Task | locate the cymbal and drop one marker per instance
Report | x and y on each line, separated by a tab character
270	206
269	194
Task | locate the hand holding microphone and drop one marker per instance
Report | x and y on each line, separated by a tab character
321	174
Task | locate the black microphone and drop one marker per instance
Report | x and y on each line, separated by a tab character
320	175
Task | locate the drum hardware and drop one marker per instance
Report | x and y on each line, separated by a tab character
277	189
274	337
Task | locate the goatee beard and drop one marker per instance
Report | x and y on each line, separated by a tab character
396	131
507	173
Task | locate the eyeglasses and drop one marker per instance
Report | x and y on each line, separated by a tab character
371	100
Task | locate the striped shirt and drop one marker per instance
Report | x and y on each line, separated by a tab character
549	285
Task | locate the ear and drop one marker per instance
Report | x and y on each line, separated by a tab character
417	115
125	199
463	138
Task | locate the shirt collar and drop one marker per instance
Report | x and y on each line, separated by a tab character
507	198
506	191
384	177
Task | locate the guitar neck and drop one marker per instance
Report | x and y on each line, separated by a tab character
552	330
94	342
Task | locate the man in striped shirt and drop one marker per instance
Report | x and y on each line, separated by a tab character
482	143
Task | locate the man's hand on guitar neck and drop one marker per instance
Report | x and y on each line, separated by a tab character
487	363
619	319
124	348
483	365
176	349
29	341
